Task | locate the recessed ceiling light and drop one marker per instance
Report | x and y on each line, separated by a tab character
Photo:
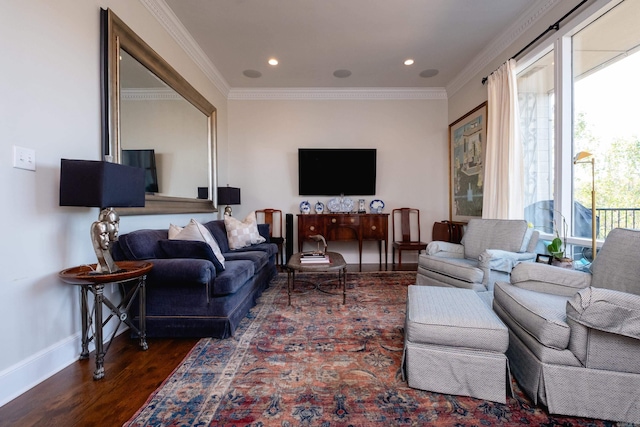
429	73
341	74
409	61
253	74
273	61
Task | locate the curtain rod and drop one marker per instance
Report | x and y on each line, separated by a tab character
554	27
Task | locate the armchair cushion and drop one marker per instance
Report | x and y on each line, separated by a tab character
456	268
481	234
616	265
438	248
541	315
606	310
552	280
496	259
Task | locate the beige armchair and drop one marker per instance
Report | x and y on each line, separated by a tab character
574	337
489	250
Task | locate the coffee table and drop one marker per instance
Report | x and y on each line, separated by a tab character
336	263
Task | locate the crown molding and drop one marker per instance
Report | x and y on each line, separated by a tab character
501	43
165	16
336	94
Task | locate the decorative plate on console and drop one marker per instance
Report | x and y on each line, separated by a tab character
340	204
305	207
376	206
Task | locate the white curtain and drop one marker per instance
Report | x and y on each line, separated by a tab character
503	196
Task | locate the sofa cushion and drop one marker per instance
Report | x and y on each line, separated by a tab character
195	231
234	276
190	249
242	233
142	244
539	314
258	258
219	232
482	234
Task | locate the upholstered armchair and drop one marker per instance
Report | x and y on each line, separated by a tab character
574	337
489	250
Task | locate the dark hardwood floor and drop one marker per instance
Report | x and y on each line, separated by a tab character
72	398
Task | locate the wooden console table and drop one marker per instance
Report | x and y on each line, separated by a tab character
347	227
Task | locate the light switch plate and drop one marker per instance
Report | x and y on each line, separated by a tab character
24	158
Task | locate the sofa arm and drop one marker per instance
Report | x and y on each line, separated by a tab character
446	249
499	260
549	279
606	310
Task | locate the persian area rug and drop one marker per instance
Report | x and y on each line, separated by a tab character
321	363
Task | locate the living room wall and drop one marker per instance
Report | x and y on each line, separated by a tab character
50	102
410	137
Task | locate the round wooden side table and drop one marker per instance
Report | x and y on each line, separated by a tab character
89	281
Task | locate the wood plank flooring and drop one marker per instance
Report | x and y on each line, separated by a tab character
72	398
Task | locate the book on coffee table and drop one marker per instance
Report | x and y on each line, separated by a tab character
314	259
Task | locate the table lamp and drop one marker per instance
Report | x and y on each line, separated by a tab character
228	196
576	160
106	186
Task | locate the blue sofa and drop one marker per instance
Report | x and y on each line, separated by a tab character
189	294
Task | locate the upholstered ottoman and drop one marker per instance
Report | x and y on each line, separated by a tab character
455	344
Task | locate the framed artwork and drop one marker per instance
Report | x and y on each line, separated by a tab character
467	148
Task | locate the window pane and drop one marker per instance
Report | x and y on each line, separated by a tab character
536	103
606	66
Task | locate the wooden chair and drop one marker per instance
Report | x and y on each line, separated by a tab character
273	217
406	235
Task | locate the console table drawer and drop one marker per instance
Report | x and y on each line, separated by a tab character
342	220
375	227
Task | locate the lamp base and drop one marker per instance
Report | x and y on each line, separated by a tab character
228	211
103	232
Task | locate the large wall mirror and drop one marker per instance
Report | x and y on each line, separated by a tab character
153	118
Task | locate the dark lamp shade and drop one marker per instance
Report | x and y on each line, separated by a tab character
228	196
100	184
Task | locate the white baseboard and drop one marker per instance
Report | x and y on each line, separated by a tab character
23	376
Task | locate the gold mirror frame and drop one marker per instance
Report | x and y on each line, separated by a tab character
116	35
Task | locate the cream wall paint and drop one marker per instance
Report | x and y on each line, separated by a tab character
50	102
410	136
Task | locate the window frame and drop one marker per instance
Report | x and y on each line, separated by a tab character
561	44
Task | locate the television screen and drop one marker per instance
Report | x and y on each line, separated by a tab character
145	159
337	171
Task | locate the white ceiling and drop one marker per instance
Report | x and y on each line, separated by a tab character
371	38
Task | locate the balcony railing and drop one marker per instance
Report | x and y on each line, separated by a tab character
610	218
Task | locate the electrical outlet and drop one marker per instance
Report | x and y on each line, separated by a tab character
24	158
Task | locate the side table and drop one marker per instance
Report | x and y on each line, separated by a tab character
89	281
336	263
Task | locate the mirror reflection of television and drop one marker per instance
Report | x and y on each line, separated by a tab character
145	159
337	171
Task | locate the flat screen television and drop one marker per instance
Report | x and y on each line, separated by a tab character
336	171
145	159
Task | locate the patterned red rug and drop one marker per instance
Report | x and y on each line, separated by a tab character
321	363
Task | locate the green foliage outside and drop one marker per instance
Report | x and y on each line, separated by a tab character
617	172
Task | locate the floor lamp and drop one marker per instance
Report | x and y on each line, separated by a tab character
576	160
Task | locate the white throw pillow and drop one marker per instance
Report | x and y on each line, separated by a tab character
242	233
198	232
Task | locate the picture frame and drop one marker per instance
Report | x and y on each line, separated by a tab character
467	151
544	259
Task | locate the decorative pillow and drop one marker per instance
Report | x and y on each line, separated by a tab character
242	233
190	249
198	232
174	230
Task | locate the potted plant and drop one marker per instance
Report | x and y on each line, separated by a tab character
558	245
